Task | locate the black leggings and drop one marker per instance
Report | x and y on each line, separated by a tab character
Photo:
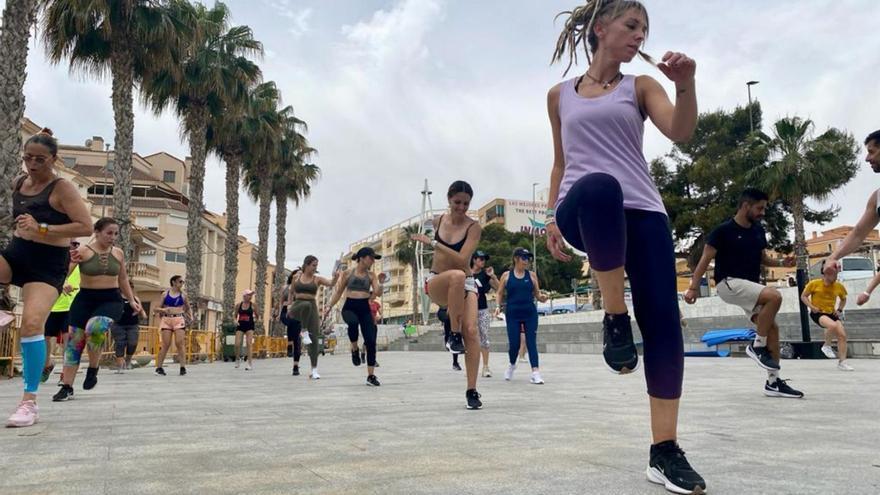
356	313
592	219
293	334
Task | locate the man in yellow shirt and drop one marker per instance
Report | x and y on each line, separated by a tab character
57	324
821	296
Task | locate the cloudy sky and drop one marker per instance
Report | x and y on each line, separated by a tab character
399	91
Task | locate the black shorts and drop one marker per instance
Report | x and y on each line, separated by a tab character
95	302
815	317
57	323
36	262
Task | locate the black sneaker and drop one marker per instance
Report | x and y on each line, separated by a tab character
91	378
761	355
618	348
456	366
296	371
455	344
373	381
160	371
182	371
781	389
668	467
473	399
355	358
64	393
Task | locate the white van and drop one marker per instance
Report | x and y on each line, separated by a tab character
853	268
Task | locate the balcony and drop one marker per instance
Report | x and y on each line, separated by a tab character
144	276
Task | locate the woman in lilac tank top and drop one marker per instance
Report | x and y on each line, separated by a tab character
604	202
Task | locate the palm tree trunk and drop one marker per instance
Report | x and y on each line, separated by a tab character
18	16
198	137
800	239
230	264
121	70
595	293
280	248
263	251
415	293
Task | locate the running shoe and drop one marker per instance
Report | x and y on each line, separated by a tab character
536	378
182	370
455	344
373	381
306	338
761	355
248	366
296	371
315	375
669	467
160	371
487	373
843	366
473	399
65	393
508	375
618	348
26	414
237	363
781	389
456	366
47	372
91	378
117	371
355	357
829	352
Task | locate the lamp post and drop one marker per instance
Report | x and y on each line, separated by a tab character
751	120
534	227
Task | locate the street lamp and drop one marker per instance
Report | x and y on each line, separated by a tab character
751	120
534	227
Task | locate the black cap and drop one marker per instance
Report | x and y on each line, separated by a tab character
523	253
480	254
366	251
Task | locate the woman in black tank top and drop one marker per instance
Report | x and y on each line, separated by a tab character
451	283
48	213
246	314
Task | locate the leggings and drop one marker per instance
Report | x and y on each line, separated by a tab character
356	313
592	219
515	320
293	333
306	312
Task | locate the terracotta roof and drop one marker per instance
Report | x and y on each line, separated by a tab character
159	203
840	233
97	171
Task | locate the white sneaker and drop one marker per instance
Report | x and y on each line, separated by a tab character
315	375
829	352
843	366
536	378
118	371
237	363
487	373
508	375
248	366
307	340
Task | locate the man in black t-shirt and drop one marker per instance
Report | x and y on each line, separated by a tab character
486	281
738	247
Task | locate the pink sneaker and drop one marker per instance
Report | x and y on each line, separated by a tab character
26	415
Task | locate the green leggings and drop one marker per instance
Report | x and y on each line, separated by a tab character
306	312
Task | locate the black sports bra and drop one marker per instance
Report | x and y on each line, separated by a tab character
458	245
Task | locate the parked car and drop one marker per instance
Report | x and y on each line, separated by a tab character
562	311
853	268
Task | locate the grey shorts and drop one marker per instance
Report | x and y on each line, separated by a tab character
484	318
742	293
125	337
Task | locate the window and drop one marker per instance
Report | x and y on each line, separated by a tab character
175	257
169	176
69	161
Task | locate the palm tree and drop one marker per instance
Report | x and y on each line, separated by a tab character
230	135
804	167
122	37
291	181
214	71
18	17
405	253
